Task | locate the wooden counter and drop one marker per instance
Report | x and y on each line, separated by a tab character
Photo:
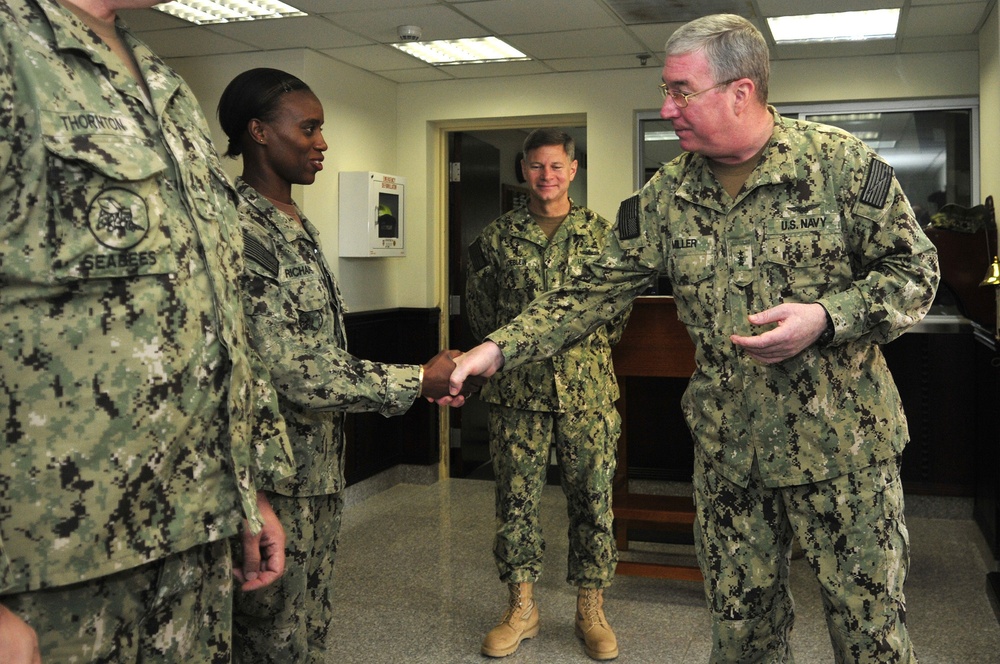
655	344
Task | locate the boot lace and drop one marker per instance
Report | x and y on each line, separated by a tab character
591	608
513	603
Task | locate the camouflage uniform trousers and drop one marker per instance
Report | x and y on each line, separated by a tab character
178	609
855	540
289	620
586	444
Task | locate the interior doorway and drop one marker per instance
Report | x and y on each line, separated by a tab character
484	181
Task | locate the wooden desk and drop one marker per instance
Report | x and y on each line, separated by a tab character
655	344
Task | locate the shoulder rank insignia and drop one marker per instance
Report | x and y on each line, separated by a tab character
627	221
255	251
477	258
877	183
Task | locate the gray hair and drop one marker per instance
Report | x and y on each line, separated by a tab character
733	46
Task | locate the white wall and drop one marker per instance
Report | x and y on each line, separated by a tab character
373	124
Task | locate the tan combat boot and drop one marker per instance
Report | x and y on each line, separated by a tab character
599	641
519	622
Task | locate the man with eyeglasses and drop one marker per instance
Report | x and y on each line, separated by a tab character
793	254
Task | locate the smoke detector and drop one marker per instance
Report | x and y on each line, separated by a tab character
409	32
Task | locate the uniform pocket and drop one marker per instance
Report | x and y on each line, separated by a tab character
803	266
691	275
107	212
310	304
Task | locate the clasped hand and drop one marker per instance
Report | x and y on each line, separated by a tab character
437	383
798	327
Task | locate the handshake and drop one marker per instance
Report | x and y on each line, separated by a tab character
451	375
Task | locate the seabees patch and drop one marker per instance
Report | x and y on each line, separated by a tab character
118	218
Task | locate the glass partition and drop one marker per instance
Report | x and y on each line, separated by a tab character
933	145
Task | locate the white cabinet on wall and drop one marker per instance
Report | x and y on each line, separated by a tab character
371	214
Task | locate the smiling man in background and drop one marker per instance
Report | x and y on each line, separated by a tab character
565	402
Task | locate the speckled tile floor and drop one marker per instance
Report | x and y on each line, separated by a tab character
416	583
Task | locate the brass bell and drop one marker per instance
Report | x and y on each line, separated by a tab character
992	274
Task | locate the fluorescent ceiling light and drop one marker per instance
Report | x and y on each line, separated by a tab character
203	12
845	117
462	51
661	136
841	26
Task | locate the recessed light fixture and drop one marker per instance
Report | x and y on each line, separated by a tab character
660	136
462	51
838	118
866	135
840	26
204	12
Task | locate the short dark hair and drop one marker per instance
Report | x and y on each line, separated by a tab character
253	94
549	136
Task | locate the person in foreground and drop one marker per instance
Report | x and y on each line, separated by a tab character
793	254
295	315
566	402
137	421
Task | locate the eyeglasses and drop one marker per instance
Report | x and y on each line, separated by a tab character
682	99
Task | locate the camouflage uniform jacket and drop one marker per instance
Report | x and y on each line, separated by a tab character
821	219
297	325
511	263
127	389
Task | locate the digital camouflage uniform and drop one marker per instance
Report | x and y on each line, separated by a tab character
809	445
127	394
296	323
566	401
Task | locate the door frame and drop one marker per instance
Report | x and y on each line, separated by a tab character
439	131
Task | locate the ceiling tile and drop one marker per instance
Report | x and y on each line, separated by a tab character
956	19
573	43
511	17
609	62
436	22
488	69
191	42
336	6
375	58
297	32
635	12
150	19
655	35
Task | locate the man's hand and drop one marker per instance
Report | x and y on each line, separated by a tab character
18	642
799	325
263	553
437	373
471	371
